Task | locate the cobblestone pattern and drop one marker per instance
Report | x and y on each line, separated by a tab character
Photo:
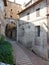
26	57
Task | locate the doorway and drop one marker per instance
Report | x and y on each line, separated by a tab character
11	31
37	35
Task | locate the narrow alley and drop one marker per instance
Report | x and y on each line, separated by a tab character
26	22
25	57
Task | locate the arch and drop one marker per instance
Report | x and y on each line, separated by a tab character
11	30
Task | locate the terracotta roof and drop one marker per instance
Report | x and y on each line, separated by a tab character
5	2
30	6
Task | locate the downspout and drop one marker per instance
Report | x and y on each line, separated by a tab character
47	28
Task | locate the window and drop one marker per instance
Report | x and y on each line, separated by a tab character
11	16
38	12
23	31
28	17
11	9
38	30
5	14
18	11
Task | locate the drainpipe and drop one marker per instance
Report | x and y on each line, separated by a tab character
47	31
17	29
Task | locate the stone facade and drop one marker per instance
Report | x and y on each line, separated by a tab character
32	28
2	21
12	9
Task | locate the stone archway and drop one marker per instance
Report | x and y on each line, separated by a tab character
11	30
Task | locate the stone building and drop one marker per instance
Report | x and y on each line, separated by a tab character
2	22
11	17
12	9
33	27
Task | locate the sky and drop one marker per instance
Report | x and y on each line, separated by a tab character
20	1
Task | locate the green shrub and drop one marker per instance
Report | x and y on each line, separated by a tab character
2	38
6	52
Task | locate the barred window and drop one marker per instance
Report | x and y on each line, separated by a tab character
38	30
28	16
38	12
11	16
11	9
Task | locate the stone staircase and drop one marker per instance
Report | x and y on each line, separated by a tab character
20	57
25	57
24	62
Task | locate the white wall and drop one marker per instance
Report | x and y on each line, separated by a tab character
29	37
2	16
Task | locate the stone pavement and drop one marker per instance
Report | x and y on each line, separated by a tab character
25	57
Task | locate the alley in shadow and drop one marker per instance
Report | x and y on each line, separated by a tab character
23	56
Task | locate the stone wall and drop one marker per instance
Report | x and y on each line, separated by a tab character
27	33
12	9
2	21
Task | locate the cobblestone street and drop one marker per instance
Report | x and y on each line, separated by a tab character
25	57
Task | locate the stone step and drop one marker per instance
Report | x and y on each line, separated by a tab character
25	63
